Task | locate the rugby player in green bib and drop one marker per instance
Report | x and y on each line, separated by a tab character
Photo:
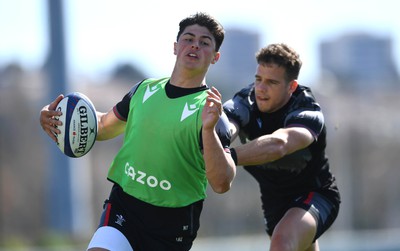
176	142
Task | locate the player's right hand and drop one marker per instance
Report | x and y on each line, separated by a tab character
48	119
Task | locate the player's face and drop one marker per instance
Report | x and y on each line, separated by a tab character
272	91
195	48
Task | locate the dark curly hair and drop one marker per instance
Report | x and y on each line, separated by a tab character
205	20
282	55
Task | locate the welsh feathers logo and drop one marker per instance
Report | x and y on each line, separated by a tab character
188	110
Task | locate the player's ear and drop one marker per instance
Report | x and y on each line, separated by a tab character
175	45
293	86
216	58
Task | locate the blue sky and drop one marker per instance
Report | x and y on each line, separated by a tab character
101	33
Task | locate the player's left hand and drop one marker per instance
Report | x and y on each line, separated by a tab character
212	109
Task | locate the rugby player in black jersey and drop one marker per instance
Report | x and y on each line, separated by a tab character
283	135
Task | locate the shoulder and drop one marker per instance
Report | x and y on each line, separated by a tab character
245	96
134	88
303	98
238	108
305	111
121	109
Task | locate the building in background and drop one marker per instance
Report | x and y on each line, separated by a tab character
237	64
359	61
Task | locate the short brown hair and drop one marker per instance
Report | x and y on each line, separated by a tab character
282	55
205	20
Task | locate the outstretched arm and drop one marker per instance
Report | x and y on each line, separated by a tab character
220	168
273	146
109	126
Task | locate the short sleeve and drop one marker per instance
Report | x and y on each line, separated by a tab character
121	109
311	120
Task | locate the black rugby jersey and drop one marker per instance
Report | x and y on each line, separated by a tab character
301	171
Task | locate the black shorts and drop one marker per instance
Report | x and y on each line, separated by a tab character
149	227
324	210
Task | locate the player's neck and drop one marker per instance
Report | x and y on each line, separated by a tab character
187	79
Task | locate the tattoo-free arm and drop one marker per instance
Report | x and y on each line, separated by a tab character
109	125
220	168
219	165
273	146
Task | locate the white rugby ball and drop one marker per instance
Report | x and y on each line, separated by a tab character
79	125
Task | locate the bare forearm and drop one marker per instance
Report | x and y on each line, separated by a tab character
273	146
260	151
220	168
109	126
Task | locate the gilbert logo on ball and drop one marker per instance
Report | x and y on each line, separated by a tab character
79	128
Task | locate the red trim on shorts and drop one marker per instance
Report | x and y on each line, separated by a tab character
309	198
107	215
